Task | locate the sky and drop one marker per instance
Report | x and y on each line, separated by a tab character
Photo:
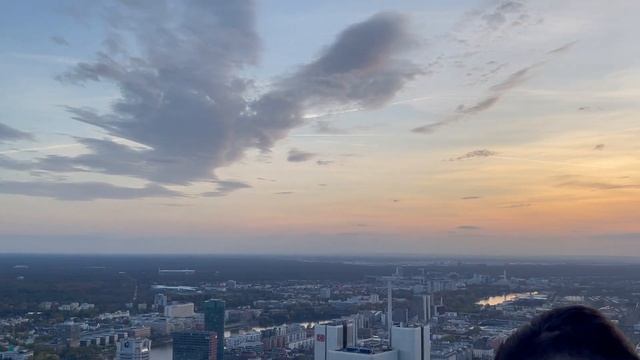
464	127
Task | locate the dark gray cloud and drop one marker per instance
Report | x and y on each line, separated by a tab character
225	187
183	98
283	193
8	133
82	191
471	197
482	153
599	147
59	40
360	68
296	155
181	95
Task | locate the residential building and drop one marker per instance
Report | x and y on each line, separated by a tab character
180	310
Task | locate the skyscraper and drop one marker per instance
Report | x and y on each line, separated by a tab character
214	321
412	343
133	349
195	345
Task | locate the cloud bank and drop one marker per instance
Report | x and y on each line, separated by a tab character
184	100
296	155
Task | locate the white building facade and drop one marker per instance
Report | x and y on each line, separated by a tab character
133	349
333	342
179	310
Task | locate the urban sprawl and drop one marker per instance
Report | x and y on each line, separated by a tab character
411	313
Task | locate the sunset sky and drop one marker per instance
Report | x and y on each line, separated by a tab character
328	127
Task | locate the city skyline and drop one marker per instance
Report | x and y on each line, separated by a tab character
454	127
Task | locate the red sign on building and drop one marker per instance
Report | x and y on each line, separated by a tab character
320	337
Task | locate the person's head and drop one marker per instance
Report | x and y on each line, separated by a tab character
573	332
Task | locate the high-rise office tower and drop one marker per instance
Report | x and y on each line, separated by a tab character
214	321
327	338
409	343
195	345
412	343
133	349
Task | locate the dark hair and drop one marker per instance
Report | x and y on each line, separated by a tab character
573	332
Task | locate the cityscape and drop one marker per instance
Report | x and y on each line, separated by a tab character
319	180
242	308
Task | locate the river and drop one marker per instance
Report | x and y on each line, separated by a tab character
497	300
165	351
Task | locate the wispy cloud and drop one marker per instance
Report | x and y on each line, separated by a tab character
38	149
324	162
471	197
59	40
482	153
515	205
564	48
83	191
326	127
44	58
596	185
468	227
494	95
496	92
225	187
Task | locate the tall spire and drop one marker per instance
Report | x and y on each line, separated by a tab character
389	310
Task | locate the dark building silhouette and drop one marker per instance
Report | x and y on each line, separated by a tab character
195	345
214	321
